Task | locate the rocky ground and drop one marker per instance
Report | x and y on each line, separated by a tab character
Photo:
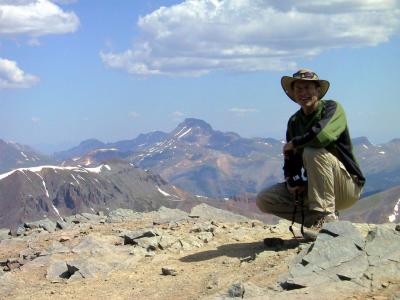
207	254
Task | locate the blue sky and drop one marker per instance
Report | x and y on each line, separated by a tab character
73	70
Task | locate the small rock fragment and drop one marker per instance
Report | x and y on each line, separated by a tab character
385	284
236	290
168	271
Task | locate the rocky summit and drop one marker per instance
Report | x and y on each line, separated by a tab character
204	254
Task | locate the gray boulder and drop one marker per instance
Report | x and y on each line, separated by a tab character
64	225
57	271
87	268
5	234
122	215
167	240
75	219
131	237
20	230
341	253
168	215
92	218
148	243
45	224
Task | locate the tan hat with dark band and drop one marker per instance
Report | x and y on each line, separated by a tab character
303	74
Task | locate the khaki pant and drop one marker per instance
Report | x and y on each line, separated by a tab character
330	187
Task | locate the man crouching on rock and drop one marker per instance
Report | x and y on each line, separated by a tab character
318	147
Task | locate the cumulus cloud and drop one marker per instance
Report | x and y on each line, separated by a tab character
35	18
196	37
11	76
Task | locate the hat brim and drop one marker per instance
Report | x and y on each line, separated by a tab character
287	81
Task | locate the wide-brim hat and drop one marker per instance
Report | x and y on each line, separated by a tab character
303	74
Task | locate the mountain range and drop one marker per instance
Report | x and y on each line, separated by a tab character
206	163
218	164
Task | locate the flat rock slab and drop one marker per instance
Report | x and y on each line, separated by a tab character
57	271
131	237
168	215
121	215
207	212
93	245
341	253
87	268
46	224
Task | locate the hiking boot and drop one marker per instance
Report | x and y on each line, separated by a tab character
310	234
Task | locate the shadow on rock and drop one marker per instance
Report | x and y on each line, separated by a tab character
243	251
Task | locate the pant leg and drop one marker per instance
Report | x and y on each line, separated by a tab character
347	191
277	200
330	186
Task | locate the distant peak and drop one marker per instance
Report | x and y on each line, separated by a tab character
362	140
192	122
91	143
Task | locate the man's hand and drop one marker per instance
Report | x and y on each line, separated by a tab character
288	149
299	189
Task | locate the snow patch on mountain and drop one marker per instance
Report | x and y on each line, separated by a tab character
185	133
38	169
57	212
72	175
392	218
163	192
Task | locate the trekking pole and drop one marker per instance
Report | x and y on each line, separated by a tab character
296	202
302	214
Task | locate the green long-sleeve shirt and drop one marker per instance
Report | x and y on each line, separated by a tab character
324	128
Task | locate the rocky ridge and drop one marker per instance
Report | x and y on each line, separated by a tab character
55	192
205	254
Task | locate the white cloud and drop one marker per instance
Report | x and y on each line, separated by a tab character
242	110
35	18
178	114
11	76
198	36
64	1
35	119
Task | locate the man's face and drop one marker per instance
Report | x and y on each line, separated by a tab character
306	94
